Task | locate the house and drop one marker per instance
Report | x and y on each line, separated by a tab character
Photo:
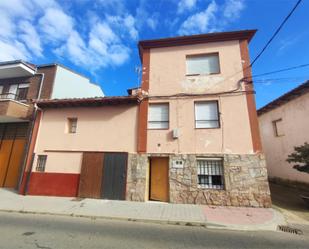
20	84
188	134
284	124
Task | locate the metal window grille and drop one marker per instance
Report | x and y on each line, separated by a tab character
72	125
41	163
210	173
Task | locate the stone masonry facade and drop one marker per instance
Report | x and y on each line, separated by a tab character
245	180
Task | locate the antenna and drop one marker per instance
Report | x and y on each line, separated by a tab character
138	70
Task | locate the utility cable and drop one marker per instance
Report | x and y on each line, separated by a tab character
276	32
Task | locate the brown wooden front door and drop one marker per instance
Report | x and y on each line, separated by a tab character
12	145
159	186
91	175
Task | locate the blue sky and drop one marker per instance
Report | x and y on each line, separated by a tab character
98	38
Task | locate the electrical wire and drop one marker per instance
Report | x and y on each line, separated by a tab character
281	70
276	32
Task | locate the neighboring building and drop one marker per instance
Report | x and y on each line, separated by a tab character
284	124
21	83
189	134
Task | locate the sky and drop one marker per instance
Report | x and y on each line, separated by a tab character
98	38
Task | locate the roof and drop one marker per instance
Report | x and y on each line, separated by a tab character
293	94
196	39
27	64
86	102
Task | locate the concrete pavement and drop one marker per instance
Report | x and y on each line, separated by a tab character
30	231
154	212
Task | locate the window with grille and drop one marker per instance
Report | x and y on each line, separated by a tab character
40	166
158	116
210	173
72	125
206	114
203	64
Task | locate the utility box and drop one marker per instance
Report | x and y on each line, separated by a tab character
175	133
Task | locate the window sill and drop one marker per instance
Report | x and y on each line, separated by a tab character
156	129
213	128
210	189
209	74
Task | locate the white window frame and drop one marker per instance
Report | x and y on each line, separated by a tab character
200	64
199	119
155	122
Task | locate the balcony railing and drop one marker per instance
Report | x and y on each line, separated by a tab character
12	96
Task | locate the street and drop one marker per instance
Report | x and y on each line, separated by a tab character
57	232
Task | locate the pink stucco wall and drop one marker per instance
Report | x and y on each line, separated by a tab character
111	128
295	123
168	76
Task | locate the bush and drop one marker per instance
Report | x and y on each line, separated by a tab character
301	157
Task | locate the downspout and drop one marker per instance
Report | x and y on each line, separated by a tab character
34	116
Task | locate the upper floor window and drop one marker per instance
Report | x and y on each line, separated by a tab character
203	64
206	114
72	125
22	91
18	91
158	116
278	127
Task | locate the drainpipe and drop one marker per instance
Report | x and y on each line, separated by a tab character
30	133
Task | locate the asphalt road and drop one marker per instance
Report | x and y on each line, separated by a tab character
55	232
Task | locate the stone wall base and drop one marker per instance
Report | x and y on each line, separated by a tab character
245	180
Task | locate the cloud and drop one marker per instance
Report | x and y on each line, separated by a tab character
30	37
213	18
13	50
232	9
185	5
30	28
200	22
56	25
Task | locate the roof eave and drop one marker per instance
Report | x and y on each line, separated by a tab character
196	39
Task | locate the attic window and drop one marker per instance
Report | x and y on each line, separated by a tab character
203	64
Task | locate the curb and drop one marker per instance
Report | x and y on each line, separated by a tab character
165	222
271	225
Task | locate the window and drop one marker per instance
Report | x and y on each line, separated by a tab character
40	166
72	125
158	116
18	91
22	91
278	128
206	114
203	64
210	173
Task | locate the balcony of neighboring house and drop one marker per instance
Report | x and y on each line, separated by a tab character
14	91
12	110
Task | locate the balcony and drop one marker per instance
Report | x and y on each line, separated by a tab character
12	110
15	69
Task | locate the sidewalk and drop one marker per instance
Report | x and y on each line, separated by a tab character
155	212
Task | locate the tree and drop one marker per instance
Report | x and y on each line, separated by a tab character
301	157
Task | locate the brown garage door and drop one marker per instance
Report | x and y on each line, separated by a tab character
91	175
